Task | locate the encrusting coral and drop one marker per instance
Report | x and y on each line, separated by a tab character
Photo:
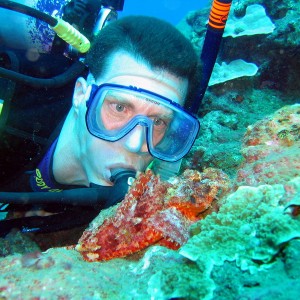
153	212
251	227
271	148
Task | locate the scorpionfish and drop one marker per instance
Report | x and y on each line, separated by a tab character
153	212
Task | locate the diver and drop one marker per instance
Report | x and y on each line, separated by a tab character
79	145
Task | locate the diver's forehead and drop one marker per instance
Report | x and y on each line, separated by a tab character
124	69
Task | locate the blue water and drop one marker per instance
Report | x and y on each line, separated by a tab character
169	10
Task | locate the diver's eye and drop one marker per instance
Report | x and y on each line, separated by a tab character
119	107
159	123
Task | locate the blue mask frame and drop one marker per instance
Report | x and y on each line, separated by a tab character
173	146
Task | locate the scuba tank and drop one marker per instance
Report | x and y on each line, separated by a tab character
23	23
20	31
37	36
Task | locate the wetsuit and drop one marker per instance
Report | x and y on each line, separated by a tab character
34	119
32	124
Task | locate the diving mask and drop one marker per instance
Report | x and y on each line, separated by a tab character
114	110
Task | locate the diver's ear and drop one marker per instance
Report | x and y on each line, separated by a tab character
81	94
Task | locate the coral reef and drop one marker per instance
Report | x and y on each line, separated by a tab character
246	250
285	14
251	229
271	149
224	121
228	108
276	54
153	212
247	244
15	242
261	229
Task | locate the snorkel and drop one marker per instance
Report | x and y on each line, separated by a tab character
213	37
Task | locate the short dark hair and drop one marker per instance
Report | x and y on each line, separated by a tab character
157	42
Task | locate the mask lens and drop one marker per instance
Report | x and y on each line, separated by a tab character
178	138
114	111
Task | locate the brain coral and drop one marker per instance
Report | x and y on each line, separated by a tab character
271	149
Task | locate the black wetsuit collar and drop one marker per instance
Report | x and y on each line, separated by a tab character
42	179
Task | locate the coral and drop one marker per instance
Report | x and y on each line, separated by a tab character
284	14
16	242
235	69
271	149
256	218
254	22
37	260
251	228
153	212
275	51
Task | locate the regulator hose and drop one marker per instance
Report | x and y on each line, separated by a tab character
29	11
81	205
63	29
104	196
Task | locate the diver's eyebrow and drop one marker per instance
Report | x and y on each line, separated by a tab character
134	101
120	97
161	116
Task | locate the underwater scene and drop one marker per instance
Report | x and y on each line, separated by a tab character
227	226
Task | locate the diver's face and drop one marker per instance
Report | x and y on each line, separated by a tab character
99	157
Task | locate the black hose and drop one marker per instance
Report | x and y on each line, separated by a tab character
80	196
105	196
60	221
85	205
60	80
28	11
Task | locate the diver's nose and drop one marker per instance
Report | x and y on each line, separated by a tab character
135	140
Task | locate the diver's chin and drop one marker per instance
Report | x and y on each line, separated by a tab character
101	183
102	180
114	175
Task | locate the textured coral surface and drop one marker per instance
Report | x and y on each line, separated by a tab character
252	229
271	148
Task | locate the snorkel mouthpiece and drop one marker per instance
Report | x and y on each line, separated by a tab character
120	174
